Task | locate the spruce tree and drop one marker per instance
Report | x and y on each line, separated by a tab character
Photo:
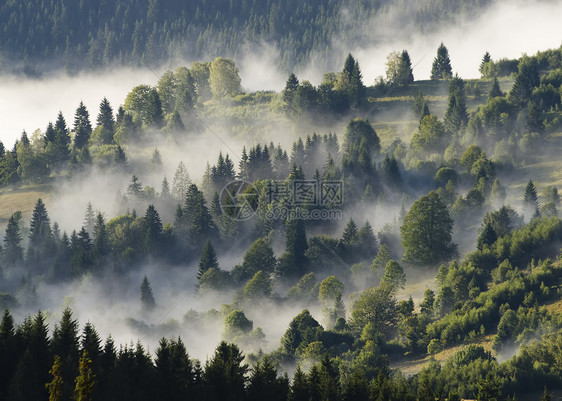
180	183
101	241
119	157
82	127
154	116
152	229
106	120
13	252
147	297
89	218
456	116
482	68
85	381
441	68
495	90
208	259
531	199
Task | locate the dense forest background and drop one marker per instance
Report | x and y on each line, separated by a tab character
41	36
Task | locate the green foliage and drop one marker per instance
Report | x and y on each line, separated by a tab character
430	135
330	289
375	305
85	381
441	67
394	275
223	78
426	231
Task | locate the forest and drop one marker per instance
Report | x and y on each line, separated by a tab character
345	241
43	36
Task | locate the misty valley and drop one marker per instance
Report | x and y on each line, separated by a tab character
397	239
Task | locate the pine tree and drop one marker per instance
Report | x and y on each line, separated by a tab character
55	387
165	193
85	381
8	351
180	183
456	116
62	140
156	160
225	376
89	218
135	190
394	275
82	127
101	241
441	68
153	231
91	344
40	234
485	59
120	158
147	297
530	197
208	259
348	66
106	120
405	69
154	116
65	345
291	87
495	90
357	87
13	252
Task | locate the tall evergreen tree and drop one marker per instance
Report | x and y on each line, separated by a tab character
208	259
531	199
495	90
13	252
106	120
441	68
456	116
224	377
153	231
154	116
82	127
65	345
85	381
147	297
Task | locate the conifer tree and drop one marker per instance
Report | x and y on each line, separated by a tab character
152	228
89	218
147	297
120	158
456	116
106	120
101	241
289	92
85	381
495	90
82	127
482	68
55	387
62	140
531	199
13	252
153	116
441	68
180	183
208	259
